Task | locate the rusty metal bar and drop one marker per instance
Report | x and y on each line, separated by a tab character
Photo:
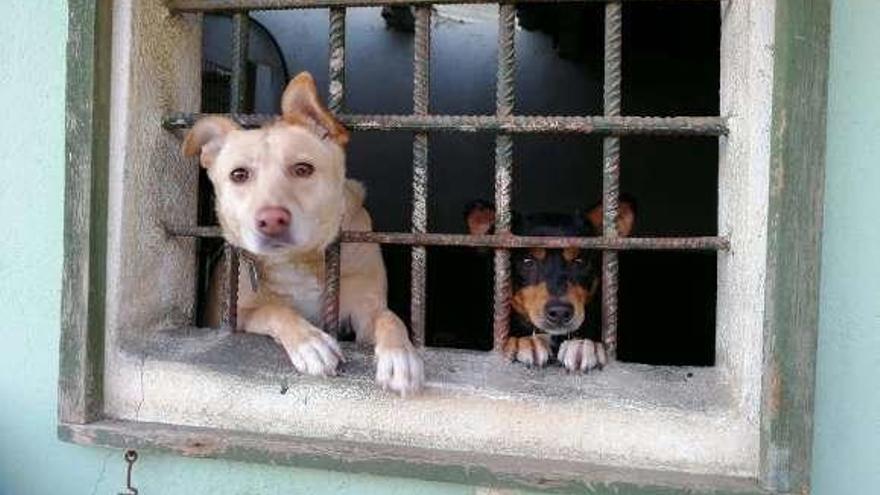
421	99
507	241
238	84
237	98
231	264
182	6
504	100
611	175
330	295
336	100
601	125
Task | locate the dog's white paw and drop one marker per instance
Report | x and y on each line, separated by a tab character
399	369
582	355
315	354
531	351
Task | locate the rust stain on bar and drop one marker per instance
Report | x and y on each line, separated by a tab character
421	92
245	5
611	174
513	124
504	101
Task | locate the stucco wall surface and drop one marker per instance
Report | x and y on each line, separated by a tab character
32	461
846	449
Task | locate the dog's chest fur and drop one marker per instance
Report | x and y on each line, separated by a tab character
299	283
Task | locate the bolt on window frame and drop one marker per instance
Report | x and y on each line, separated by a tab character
790	325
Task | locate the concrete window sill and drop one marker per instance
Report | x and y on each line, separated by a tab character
628	415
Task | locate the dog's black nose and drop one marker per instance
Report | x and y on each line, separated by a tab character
558	312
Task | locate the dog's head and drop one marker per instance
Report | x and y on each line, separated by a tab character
553	287
280	188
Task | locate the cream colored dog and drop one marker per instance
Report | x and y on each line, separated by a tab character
282	196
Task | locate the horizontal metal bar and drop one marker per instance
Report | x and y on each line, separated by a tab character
617	126
245	5
708	243
513	241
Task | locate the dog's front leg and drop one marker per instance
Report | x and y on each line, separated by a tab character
310	350
582	355
531	350
398	365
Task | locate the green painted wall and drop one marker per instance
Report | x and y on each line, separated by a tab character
32	461
847	417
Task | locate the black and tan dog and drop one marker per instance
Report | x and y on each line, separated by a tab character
553	288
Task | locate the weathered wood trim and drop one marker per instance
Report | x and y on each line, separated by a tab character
400	461
87	120
793	242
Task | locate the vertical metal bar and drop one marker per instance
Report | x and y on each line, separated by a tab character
238	85
332	255
611	174
229	315
330	296
237	93
504	100
337	59
421	92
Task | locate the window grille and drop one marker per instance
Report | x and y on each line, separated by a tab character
504	124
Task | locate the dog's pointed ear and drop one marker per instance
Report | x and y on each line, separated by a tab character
300	104
480	217
626	216
207	137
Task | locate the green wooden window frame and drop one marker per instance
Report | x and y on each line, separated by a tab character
791	305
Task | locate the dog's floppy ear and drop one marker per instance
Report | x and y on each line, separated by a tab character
480	217
626	216
301	105
207	137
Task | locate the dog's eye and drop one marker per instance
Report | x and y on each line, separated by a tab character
302	169
528	262
578	261
240	175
